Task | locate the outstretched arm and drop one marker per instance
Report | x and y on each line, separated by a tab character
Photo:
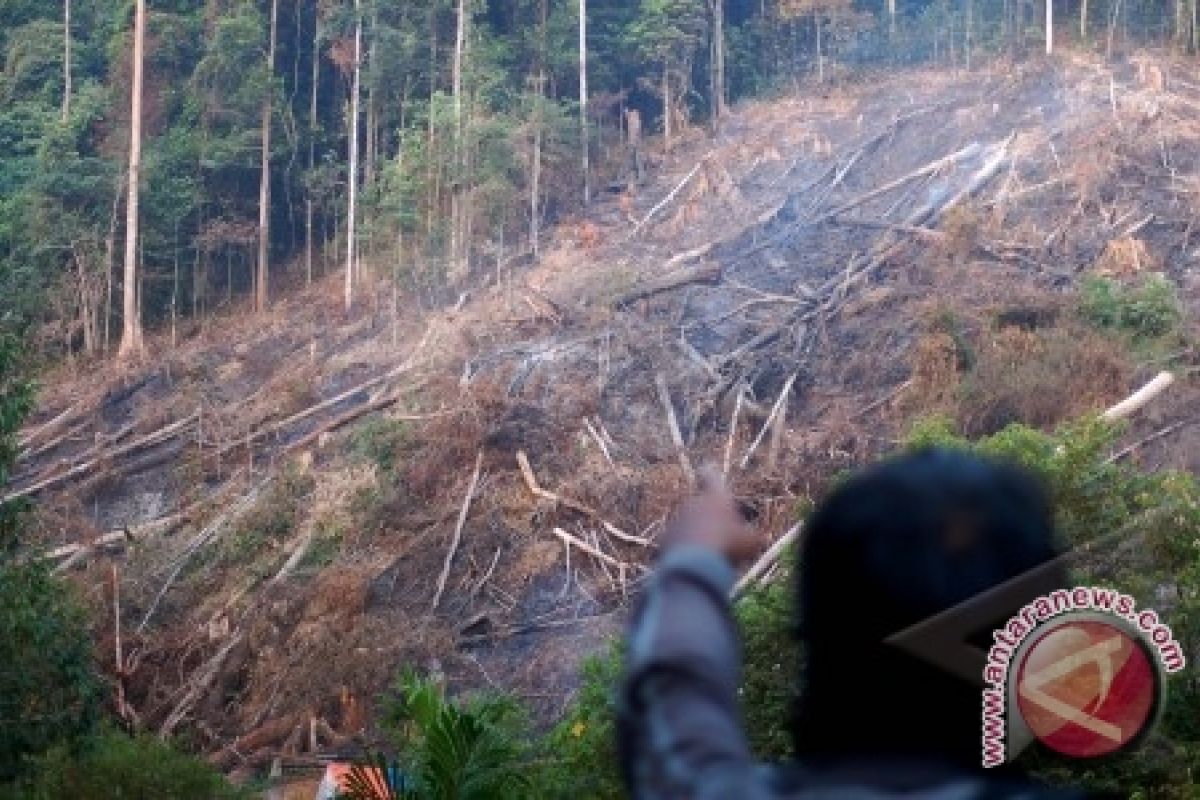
679	726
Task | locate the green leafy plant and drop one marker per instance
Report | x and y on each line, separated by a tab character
473	751
579	755
116	765
1147	310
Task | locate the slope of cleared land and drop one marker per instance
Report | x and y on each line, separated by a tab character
299	505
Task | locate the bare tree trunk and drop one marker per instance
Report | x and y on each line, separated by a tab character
535	181
1112	27
535	167
1049	27
718	14
132	345
820	53
666	93
583	98
352	188
110	257
891	6
371	143
264	181
66	107
312	145
460	44
1083	19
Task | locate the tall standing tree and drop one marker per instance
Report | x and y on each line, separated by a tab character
66	107
583	100
264	181
1049	27
313	127
667	33
352	188
132	344
717	8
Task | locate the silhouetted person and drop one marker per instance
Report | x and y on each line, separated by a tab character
885	551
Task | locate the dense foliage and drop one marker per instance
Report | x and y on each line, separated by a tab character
117	765
464	106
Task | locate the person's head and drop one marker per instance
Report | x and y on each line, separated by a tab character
890	548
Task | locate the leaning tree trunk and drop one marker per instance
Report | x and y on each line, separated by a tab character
131	333
352	188
264	181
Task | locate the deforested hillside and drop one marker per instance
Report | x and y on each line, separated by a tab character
294	506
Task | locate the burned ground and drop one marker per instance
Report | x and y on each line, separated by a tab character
289	486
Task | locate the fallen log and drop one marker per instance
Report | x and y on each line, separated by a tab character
706	272
1145	440
157	437
353	414
670	196
1139	399
458	529
264	735
197	685
685	463
933	166
367	385
780	405
596	552
765	561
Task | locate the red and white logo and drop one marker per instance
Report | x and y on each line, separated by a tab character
1087	688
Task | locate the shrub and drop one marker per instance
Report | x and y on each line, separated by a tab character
116	765
580	751
474	751
772	665
380	440
1148	310
48	690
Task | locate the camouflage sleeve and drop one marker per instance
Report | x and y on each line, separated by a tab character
680	733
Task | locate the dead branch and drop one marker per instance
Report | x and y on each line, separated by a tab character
198	541
599	440
765	561
685	463
198	684
867	409
1145	440
733	423
780	404
536	490
670	196
933	166
458	529
589	549
1136	401
706	272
